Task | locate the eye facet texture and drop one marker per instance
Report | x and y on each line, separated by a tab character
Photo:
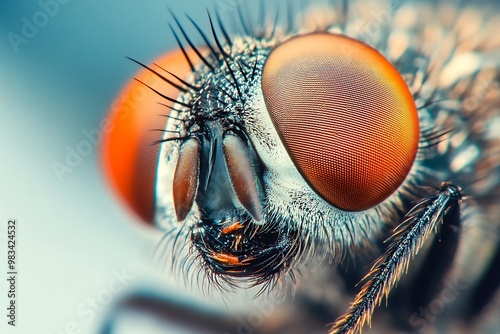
345	115
129	155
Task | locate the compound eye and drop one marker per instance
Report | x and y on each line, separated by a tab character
129	156
345	115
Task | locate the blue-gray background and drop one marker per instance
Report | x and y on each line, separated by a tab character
72	234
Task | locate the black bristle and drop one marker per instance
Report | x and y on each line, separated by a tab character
247	28
345	11
205	39
178	78
255	66
262	18
191	44
226	93
182	48
290	18
171	108
430	103
242	71
223	29
219	45
159	75
275	25
171	117
164	96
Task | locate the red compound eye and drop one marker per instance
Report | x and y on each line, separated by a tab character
129	158
345	115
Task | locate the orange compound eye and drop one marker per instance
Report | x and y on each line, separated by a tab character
129	156
345	115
